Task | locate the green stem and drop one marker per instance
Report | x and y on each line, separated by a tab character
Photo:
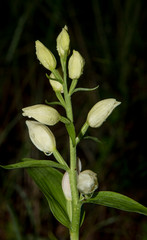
74	231
75	220
65	90
74	236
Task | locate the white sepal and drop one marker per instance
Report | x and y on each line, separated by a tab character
75	65
87	182
45	56
100	111
42	113
41	136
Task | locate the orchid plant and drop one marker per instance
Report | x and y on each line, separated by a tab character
67	192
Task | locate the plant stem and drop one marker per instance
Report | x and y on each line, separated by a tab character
75	221
74	231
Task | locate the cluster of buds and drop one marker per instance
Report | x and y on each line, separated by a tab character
40	135
87	182
47	59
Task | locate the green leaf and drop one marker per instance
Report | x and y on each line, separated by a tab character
65	120
72	86
29	162
49	182
53	103
71	131
93	138
60	98
85	89
117	200
58	79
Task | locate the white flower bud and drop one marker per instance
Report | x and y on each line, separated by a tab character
66	186
41	136
42	113
45	56
57	86
87	182
75	65
63	42
100	111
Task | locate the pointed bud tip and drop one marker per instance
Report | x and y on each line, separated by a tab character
41	136
76	65
45	56
63	42
42	113
101	111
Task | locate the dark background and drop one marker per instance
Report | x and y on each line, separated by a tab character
111	36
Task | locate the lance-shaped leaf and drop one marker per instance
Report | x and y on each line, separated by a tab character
29	162
84	89
95	139
53	103
49	182
117	200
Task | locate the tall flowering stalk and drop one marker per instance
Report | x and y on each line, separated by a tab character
66	193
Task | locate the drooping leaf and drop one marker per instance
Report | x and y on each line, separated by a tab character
85	89
29	162
95	139
49	182
117	200
53	103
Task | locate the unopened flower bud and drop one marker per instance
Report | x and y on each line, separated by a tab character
63	42
41	136
100	111
75	65
87	182
42	113
45	56
57	86
66	186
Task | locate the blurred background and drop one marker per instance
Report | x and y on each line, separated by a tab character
111	36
